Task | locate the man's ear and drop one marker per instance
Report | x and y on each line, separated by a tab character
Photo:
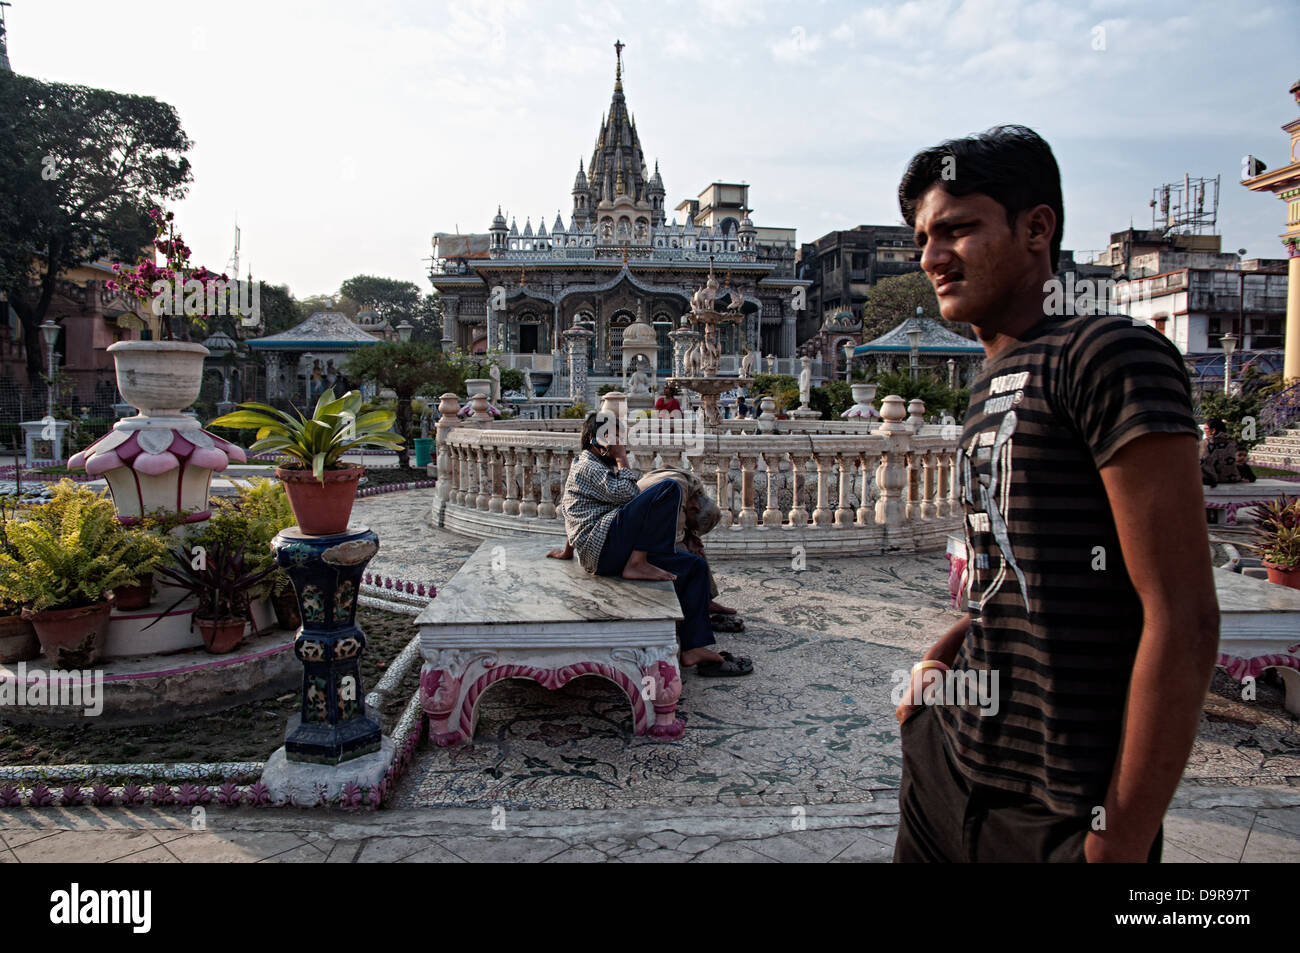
1039	224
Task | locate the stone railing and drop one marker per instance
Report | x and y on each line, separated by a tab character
827	487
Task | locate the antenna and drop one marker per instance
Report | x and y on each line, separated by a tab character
4	45
1185	208
232	264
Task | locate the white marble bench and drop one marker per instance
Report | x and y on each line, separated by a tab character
510	612
1233	497
1259	628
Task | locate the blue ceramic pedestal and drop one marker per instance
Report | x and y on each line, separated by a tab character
334	724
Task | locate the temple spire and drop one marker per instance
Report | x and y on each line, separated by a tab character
618	69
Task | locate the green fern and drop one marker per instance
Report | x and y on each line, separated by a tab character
67	558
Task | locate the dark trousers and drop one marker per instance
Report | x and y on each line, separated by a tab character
944	818
649	523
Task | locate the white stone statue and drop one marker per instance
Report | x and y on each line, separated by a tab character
805	381
691	361
638	384
737	302
495	373
747	364
771	363
528	383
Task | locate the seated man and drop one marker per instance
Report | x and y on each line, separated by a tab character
1218	455
617	530
698	515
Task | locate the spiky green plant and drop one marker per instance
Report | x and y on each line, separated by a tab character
319	442
69	565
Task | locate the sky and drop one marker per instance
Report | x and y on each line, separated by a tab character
341	136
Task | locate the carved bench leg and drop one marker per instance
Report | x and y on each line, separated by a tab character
665	684
1291	683
439	698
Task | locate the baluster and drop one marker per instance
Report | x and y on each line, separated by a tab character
867	463
844	512
481	484
954	487
941	483
495	460
913	486
798	475
723	477
823	515
510	458
527	476
546	508
928	508
772	516
748	515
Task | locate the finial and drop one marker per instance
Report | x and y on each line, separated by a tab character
618	53
521	277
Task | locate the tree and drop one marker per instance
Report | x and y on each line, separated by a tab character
340	303
79	171
397	301
408	368
279	310
891	301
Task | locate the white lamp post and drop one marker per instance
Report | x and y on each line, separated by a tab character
848	363
50	331
1229	345
404	331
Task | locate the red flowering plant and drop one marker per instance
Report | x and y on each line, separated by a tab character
172	288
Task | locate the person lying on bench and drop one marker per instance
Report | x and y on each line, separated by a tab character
618	530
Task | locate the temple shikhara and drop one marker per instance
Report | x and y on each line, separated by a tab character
619	254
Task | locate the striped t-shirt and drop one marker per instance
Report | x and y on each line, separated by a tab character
1054	615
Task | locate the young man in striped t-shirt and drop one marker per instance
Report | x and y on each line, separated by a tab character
1091	604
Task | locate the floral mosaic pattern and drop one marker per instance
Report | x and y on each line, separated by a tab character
312	602
345	601
317	701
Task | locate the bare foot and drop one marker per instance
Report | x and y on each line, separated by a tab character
639	568
695	656
719	609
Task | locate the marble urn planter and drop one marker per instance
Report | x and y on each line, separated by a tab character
159	378
863	395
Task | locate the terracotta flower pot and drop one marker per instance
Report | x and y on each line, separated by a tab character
18	642
221	635
1284	576
286	609
135	597
321	509
72	638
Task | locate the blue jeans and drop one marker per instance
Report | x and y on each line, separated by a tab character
649	523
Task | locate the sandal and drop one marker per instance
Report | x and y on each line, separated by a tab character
729	667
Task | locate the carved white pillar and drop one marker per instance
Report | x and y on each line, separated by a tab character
844	512
798	515
891	475
772	516
823	515
748	515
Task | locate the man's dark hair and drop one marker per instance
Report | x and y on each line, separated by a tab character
1216	425
591	427
1011	164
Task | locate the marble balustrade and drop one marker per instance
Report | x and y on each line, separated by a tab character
844	490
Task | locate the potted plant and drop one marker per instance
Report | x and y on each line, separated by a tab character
253	517
321	489
1278	535
64	571
161	377
221	579
148	541
18	642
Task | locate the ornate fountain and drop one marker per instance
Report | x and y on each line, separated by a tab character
700	363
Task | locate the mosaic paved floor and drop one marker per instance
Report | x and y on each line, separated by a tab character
814	724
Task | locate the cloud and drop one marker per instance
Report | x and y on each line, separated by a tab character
798	47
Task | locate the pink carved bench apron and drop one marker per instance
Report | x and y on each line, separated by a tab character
510	612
